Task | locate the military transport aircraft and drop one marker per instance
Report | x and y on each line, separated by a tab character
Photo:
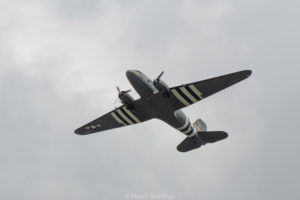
160	101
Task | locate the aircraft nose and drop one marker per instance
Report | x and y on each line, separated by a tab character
132	74
129	73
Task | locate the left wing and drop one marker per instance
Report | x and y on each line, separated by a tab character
118	117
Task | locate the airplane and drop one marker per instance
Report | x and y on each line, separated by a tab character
158	100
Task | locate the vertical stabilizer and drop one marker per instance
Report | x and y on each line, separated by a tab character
200	125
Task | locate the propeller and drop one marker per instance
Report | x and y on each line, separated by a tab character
157	79
122	92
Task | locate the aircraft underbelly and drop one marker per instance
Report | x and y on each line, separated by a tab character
167	112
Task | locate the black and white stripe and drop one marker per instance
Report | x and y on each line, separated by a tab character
193	93
121	116
124	116
187	95
184	95
187	128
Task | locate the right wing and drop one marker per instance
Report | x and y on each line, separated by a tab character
118	117
187	94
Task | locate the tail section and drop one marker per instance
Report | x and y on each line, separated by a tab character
200	139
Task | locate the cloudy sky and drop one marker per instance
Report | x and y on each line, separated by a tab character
60	61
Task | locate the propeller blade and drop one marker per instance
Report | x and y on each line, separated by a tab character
118	89
160	75
116	100
126	91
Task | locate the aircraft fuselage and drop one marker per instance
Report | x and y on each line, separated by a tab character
163	109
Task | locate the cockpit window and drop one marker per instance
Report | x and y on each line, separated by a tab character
137	72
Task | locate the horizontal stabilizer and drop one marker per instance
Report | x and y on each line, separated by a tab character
213	136
202	138
189	144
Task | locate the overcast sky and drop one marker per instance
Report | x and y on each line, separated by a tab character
61	60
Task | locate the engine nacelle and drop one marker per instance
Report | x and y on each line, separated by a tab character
126	99
161	86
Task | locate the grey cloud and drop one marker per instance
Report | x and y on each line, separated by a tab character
64	75
77	9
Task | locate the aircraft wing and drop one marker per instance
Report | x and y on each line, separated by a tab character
187	94
118	117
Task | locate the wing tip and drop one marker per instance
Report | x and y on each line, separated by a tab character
79	132
241	75
180	150
246	73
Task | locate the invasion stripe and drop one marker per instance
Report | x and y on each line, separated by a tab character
124	116
184	126
124	121
188	94
192	93
177	95
189	133
184	96
197	92
117	118
131	115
